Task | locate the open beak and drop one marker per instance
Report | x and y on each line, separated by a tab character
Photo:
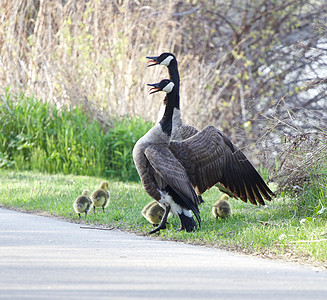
153	60
155	88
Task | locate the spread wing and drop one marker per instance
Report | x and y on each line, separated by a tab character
173	173
209	157
188	131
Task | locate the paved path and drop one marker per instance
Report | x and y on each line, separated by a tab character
45	258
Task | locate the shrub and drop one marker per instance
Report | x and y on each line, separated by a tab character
38	136
121	140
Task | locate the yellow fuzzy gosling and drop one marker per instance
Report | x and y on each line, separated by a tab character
83	203
153	212
101	196
221	208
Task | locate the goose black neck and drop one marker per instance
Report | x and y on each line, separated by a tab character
166	122
174	77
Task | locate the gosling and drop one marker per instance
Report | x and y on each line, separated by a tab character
101	196
83	203
153	212
221	208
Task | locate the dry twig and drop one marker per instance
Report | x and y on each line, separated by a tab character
97	228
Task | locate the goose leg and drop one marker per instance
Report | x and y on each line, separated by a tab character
187	223
163	222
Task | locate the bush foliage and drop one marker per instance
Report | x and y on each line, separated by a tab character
39	136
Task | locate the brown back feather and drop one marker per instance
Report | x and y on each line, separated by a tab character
210	157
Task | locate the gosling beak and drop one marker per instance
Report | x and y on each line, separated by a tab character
155	88
153	60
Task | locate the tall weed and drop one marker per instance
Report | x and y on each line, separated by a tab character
121	140
38	136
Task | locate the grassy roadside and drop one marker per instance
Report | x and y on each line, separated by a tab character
277	230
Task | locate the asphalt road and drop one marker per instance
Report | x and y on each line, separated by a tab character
46	258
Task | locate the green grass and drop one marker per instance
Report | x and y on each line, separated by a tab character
275	230
39	136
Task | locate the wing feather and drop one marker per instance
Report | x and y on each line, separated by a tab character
188	131
209	157
173	173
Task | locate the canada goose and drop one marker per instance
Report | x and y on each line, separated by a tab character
209	157
169	60
83	203
221	208
101	196
162	175
153	212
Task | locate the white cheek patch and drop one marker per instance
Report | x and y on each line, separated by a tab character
167	61
169	87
